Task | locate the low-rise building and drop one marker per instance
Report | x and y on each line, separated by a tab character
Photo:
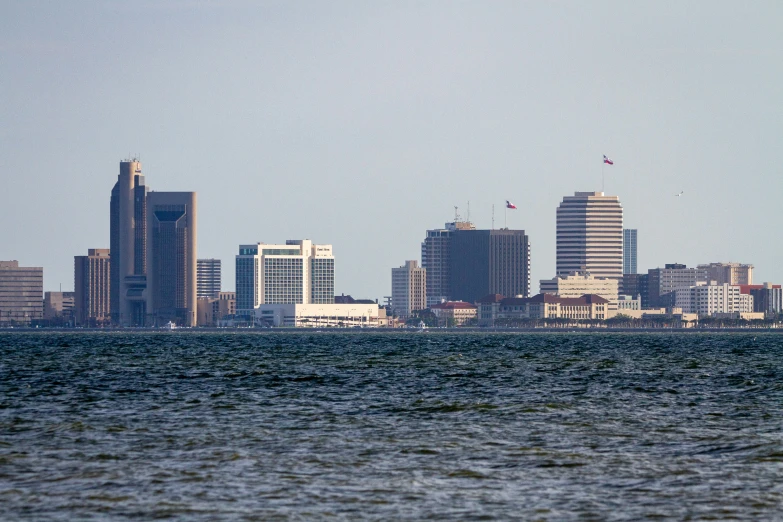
546	306
488	309
319	315
454	313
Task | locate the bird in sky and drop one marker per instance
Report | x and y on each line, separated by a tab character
678	195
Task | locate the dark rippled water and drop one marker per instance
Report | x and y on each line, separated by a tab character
391	426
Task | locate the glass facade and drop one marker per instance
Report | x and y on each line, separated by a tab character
629	251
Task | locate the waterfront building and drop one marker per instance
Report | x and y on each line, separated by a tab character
454	313
767	298
91	281
711	299
171	258
590	235
320	315
298	272
128	246
489	262
576	285
629	251
58	307
488	307
409	292
436	260
542	306
729	273
207	278
21	293
662	282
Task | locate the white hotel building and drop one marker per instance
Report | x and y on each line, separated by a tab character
298	272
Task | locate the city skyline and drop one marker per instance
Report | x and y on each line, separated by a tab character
464	103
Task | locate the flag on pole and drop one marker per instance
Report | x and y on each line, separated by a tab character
607	160
510	204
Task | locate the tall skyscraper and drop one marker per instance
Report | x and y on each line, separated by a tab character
409	293
152	252
629	251
91	288
171	258
128	245
21	293
590	235
489	262
436	260
208	278
298	272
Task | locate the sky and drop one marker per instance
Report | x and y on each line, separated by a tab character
363	124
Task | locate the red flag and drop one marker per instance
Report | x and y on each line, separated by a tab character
510	204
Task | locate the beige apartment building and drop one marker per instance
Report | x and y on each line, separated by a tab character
409	283
729	273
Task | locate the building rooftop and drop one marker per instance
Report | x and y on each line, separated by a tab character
454	305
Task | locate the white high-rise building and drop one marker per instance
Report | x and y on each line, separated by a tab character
590	235
713	299
409	289
298	272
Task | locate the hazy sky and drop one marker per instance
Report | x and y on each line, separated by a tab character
362	124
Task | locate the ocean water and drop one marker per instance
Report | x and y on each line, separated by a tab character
385	426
